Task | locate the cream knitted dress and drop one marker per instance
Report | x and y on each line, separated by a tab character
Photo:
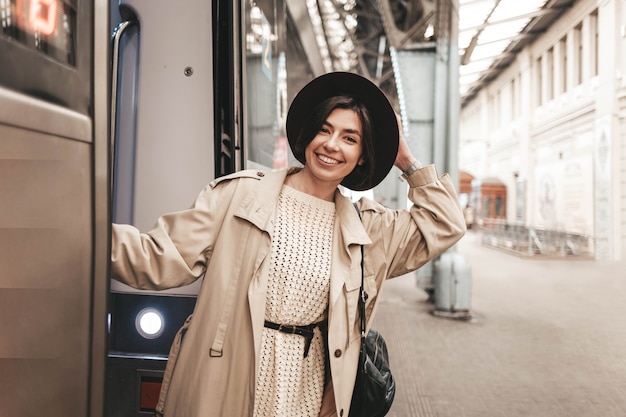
288	384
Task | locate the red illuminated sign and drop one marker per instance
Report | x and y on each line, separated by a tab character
46	26
37	16
43	16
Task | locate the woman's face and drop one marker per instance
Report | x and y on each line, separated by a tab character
337	148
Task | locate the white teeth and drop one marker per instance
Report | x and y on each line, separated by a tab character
327	159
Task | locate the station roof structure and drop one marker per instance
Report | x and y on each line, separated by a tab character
493	32
355	35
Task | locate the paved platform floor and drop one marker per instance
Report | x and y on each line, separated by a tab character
547	339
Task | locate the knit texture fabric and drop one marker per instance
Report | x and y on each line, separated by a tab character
289	384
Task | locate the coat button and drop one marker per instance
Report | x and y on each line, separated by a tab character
260	174
338	353
341	413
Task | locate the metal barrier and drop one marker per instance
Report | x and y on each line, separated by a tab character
532	241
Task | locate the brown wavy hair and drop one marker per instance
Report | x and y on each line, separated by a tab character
361	174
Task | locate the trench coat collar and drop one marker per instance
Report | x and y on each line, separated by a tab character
259	205
258	208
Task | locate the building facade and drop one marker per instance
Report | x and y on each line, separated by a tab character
552	128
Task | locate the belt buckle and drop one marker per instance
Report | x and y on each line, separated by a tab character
287	328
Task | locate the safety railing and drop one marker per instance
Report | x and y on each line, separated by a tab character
532	241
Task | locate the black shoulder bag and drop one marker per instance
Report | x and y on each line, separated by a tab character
374	388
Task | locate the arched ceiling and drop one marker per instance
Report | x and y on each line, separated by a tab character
493	32
355	35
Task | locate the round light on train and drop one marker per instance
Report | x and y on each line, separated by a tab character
150	323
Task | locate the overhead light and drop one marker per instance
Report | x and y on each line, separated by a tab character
149	323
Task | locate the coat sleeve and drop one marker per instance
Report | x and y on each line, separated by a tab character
176	251
407	239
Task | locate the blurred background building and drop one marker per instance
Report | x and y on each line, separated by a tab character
542	145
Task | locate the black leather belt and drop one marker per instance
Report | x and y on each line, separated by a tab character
304	331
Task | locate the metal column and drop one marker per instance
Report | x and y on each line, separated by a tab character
426	69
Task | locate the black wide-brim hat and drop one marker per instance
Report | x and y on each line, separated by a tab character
386	135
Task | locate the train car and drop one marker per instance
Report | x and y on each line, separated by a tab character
54	215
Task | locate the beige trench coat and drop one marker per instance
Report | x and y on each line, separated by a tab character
226	237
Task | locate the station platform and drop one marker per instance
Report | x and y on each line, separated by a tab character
547	338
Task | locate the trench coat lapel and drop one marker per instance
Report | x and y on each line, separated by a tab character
258	208
345	275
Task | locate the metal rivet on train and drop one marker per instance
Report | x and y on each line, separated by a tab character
188	71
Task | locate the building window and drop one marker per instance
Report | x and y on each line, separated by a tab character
491	113
550	74
538	81
514	98
562	87
578	54
594	35
499	114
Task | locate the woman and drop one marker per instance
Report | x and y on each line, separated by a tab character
275	327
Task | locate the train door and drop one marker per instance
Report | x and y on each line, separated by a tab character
175	126
54	208
190	80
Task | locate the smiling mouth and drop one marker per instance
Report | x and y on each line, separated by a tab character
327	160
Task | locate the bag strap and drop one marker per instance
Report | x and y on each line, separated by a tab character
362	294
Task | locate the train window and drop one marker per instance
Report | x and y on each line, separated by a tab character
266	86
47	26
